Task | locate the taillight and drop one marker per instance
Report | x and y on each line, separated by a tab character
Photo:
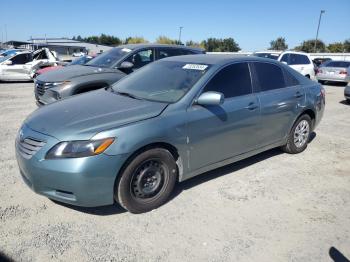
342	72
319	71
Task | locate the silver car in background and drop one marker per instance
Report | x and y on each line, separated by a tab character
334	71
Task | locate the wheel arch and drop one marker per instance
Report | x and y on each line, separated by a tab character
164	145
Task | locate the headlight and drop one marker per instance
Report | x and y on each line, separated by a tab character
84	148
54	84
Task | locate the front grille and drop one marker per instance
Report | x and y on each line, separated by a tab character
40	87
29	146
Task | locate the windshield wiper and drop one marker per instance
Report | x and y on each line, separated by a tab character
127	94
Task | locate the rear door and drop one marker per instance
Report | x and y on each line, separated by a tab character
220	132
281	99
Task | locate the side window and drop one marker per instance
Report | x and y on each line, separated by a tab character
285	58
233	80
167	52
20	59
296	59
186	52
303	60
141	58
290	79
270	76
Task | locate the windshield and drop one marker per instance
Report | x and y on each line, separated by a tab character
267	55
336	64
81	60
109	58
164	81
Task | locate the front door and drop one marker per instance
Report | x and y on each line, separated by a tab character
220	132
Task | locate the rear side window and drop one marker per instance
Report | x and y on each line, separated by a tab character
233	80
290	79
295	59
269	76
167	52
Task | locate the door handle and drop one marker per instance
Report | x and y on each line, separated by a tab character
251	106
298	94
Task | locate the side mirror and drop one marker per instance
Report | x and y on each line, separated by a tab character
126	65
211	99
283	62
8	62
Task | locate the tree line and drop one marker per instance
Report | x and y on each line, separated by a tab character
309	46
220	44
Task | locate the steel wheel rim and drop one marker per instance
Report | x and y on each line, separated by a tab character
301	133
148	179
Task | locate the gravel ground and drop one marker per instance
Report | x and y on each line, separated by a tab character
271	207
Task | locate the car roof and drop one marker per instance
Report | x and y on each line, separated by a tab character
216	59
145	45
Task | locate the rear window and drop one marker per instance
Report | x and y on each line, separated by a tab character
270	76
337	64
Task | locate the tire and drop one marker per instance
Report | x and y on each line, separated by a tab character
147	181
348	101
296	142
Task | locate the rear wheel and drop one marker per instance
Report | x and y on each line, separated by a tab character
299	135
147	181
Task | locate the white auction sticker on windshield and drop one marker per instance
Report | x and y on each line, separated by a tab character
195	67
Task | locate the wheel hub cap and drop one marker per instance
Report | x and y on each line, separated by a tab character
148	179
301	133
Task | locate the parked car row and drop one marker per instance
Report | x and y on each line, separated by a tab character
168	113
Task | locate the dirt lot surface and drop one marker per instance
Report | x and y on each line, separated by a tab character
271	207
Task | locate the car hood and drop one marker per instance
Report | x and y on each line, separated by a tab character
82	116
72	71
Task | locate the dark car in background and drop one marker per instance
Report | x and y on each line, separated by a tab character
102	71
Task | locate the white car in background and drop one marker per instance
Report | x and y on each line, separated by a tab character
299	61
22	66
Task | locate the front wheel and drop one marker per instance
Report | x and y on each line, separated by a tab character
299	136
147	181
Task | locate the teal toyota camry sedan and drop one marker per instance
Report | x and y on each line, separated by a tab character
167	122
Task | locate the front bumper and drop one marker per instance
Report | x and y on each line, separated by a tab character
85	181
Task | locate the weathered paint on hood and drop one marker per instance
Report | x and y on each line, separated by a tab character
83	116
70	72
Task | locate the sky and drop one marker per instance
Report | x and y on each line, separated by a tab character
251	23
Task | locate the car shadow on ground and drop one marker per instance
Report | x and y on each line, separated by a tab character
98	211
188	184
337	256
228	169
335	83
5	258
345	102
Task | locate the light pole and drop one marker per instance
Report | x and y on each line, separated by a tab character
180	30
318	28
